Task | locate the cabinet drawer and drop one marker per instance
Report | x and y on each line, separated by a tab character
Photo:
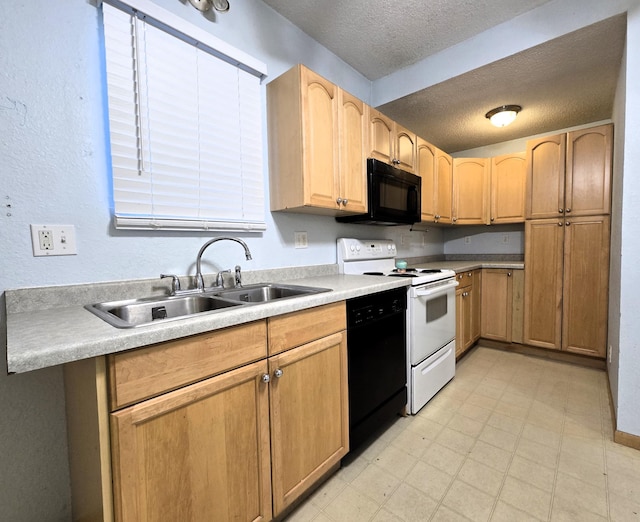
147	372
464	278
296	328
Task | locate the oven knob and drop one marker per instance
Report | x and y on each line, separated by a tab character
358	248
352	248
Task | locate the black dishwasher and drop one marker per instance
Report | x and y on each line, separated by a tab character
376	347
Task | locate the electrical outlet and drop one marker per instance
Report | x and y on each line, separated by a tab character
609	354
505	238
53	240
45	238
467	239
300	240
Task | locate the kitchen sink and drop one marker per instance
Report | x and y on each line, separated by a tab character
264	292
152	310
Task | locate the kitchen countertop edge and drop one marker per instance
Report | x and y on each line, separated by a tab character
45	338
40	339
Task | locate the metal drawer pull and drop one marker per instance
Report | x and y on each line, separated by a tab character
278	373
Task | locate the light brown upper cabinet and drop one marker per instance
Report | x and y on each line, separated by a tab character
426	162
470	178
390	142
317	144
443	190
507	189
566	283
570	174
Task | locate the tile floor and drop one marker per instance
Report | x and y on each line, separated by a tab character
511	438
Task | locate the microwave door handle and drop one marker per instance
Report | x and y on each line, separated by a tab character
412	200
437	290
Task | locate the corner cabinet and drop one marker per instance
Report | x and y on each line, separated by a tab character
219	426
317	142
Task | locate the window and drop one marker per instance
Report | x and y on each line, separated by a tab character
185	126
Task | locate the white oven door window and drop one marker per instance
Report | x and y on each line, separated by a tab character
433	321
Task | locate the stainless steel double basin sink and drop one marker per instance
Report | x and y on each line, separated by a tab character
132	313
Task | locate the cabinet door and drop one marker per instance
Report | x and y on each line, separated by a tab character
588	176
381	136
320	139
309	415
467	317
586	285
426	163
444	174
497	299
460	321
198	453
543	260
353	143
405	149
508	188
545	177
476	305
470	176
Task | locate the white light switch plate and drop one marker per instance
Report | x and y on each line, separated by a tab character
53	240
300	240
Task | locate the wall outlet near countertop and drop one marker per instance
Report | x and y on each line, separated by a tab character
53	240
300	240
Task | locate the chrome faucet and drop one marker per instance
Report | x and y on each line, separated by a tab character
199	278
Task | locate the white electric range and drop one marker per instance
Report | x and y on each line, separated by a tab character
430	318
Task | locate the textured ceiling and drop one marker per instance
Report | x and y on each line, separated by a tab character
564	82
378	37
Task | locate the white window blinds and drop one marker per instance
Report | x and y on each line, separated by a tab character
185	129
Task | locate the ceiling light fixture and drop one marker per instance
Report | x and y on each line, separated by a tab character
205	5
503	115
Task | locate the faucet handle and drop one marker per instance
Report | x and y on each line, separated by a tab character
175	282
220	278
238	277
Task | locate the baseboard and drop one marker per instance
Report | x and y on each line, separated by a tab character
621	437
566	357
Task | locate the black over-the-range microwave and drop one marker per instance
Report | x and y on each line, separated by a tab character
393	196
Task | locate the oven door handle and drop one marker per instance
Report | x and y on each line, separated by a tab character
426	292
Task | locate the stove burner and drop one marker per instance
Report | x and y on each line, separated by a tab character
373	273
430	271
403	270
403	274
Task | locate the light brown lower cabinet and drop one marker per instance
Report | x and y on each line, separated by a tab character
197	453
467	310
566	284
239	435
497	304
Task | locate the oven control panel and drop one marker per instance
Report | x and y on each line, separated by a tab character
362	249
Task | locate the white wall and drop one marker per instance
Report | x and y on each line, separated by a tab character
628	413
53	170
613	337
